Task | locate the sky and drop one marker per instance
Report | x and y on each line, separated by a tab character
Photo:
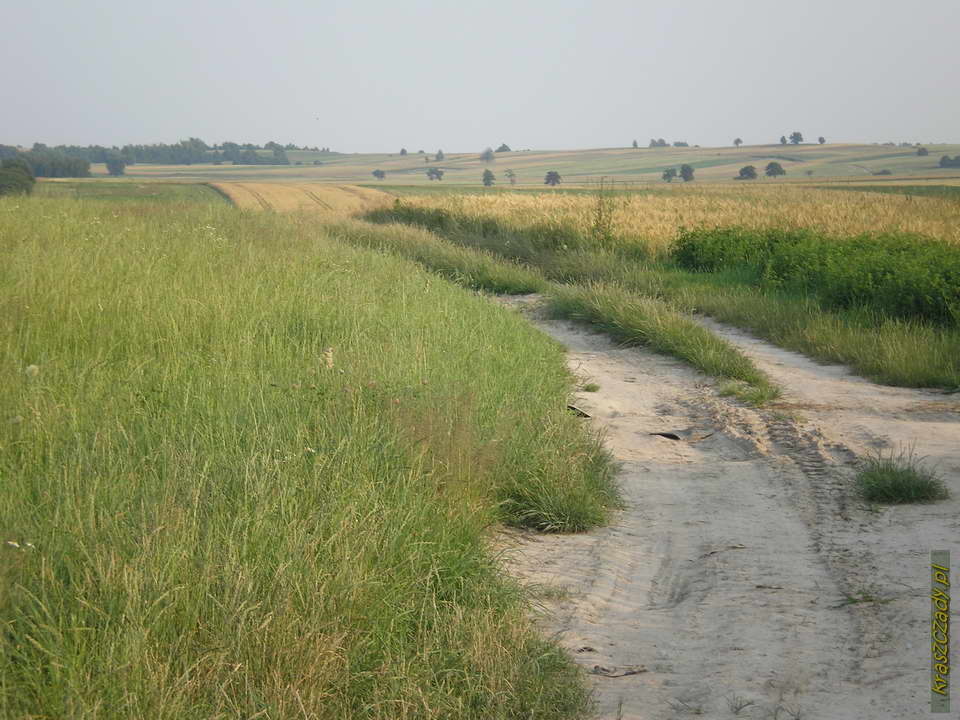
378	75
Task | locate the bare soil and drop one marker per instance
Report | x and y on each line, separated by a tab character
745	578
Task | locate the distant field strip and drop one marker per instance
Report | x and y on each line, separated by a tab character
285	197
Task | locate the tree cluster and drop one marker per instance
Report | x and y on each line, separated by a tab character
44	162
379	174
946	162
748	172
658	143
686	173
504	148
434	174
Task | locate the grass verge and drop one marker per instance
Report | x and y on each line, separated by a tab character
248	472
890	350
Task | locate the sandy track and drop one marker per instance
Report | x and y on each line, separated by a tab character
728	577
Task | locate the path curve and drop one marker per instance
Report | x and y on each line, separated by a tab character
728	578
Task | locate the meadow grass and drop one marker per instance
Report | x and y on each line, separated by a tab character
129	190
248	471
891	350
623	315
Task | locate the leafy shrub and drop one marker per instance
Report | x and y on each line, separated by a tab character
900	274
14	182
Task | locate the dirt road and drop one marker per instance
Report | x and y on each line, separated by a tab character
744	578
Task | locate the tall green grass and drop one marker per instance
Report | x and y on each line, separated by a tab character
901	275
248	472
886	348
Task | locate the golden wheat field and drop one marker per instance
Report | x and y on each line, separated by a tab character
331	199
655	217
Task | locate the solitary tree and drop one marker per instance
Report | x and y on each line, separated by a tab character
922	151
774	169
434	174
116	165
503	148
635	145
821	140
738	142
748	172
379	174
488	178
796	137
511	176
686	172
552	178
487	155
783	139
440	155
669	174
403	151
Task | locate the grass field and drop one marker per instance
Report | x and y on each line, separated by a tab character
251	472
804	163
629	241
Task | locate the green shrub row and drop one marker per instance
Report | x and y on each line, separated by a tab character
901	275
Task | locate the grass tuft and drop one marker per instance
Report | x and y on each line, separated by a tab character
900	478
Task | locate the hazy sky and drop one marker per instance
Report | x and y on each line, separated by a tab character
377	75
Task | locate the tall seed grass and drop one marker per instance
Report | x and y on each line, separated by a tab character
889	350
247	472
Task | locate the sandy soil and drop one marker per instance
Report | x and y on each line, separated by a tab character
744	570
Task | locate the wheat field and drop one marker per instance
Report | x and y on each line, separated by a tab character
332	199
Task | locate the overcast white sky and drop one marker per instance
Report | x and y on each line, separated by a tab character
377	75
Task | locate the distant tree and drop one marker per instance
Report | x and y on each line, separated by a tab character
403	151
18	162
885	171
669	174
808	172
946	162
774	169
737	142
511	176
116	164
488	178
504	148
15	182
796	137
487	155
922	152
426	158
434	174
635	146
821	140
419	152
686	172
681	143
440	156
379	174
552	178
783	139
748	172
659	143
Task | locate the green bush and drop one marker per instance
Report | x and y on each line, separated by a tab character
15	182
901	275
